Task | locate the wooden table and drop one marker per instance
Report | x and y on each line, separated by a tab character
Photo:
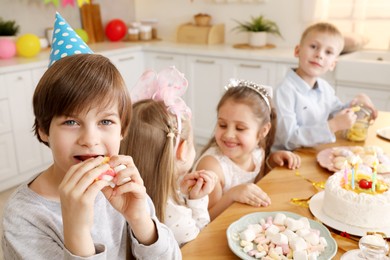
281	184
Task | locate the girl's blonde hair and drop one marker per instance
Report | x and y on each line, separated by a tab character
151	142
259	107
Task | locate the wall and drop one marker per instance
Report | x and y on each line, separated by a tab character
172	13
34	16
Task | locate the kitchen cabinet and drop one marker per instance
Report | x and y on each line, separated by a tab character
130	64
380	97
160	60
206	86
7	147
20	141
263	73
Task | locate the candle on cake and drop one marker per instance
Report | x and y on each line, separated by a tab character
345	173
354	170
374	174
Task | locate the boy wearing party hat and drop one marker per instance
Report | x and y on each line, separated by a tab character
69	211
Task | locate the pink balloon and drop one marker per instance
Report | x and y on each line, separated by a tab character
7	48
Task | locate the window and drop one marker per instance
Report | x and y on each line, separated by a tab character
369	18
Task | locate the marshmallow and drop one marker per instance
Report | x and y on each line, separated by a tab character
290	234
256	228
312	238
323	242
312	256
248	235
260	254
300	255
279	219
298	244
271	230
303	232
294	224
248	248
279	239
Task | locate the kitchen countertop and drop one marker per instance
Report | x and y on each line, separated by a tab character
284	55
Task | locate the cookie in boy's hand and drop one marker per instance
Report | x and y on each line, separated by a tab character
111	173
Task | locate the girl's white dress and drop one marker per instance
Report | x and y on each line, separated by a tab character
233	174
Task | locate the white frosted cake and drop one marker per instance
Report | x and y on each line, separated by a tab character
361	206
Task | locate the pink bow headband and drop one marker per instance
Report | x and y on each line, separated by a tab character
168	85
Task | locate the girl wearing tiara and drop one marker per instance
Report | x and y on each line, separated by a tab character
161	144
240	147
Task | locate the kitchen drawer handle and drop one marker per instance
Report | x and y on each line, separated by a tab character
127	58
250	66
205	61
164	57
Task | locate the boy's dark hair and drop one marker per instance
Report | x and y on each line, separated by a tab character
75	84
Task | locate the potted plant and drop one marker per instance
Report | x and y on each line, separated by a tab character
8	28
258	27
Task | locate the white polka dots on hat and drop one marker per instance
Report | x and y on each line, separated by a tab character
65	41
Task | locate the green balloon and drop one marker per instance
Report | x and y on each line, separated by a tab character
83	34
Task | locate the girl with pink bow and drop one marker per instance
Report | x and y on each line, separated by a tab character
162	146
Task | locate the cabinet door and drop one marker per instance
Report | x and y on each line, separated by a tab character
258	72
206	86
281	71
20	92
130	65
160	60
380	98
46	154
8	167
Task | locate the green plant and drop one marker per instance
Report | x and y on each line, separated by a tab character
258	24
8	28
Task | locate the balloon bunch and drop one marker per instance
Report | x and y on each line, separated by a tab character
27	45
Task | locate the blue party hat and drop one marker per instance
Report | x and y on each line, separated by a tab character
65	41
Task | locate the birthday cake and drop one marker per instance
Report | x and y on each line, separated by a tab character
353	200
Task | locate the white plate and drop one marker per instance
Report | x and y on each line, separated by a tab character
240	225
356	255
384	132
315	206
352	255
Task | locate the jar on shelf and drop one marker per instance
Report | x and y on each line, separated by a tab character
153	24
133	34
145	32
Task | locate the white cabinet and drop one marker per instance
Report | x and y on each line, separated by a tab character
23	155
7	148
20	91
379	97
256	71
160	60
46	154
130	64
206	86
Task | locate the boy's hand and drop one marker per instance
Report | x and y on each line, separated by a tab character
342	120
78	191
363	99
128	197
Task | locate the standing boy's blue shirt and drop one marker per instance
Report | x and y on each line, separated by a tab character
303	112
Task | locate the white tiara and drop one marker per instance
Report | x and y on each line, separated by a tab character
260	89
